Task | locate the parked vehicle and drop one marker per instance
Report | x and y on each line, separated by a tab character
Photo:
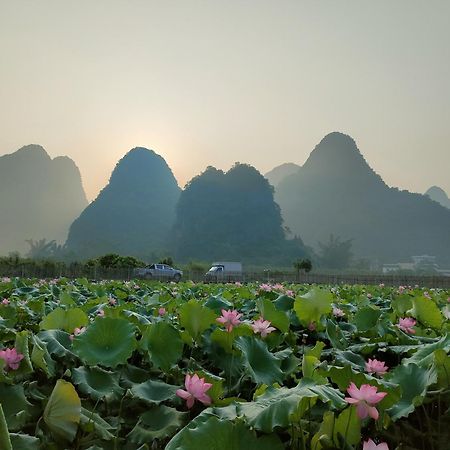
224	271
159	272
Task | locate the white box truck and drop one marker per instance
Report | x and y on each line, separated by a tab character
224	271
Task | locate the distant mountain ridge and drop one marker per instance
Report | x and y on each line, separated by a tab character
438	195
232	216
277	174
337	192
133	214
39	197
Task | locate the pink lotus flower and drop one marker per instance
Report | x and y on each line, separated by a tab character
406	325
426	294
79	331
381	285
5	302
230	319
162	311
238	284
101	313
262	326
112	301
376	367
364	399
369	295
337	312
195	390
290	293
265	287
312	326
11	358
76	332
370	445
278	286
401	289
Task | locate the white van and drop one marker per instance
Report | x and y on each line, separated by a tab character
224	271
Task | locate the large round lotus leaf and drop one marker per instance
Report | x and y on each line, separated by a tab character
157	423
67	320
15	405
97	383
208	432
24	442
153	391
63	410
107	341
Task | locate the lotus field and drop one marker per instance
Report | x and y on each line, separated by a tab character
141	365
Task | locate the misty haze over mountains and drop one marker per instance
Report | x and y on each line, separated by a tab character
233	215
40	197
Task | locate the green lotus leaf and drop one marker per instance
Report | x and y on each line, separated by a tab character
164	345
21	441
196	318
21	346
209	432
67	320
108	342
63	410
336	335
427	312
5	442
284	303
366	318
279	319
158	423
97	383
225	339
424	355
414	382
15	406
153	391
311	306
343	376
442	364
262	365
58	342
278	406
91	422
340	432
41	358
217	303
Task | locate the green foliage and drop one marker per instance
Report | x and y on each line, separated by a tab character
108	342
311	306
115	384
63	410
262	365
335	254
67	320
164	344
209	432
196	318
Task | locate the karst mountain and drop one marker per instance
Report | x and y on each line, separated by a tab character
133	215
39	198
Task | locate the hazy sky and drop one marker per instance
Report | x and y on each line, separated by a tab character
214	82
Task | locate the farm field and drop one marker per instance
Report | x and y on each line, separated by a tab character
141	365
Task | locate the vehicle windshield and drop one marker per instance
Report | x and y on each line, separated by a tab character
214	269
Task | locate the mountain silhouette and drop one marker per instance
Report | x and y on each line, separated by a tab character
438	195
337	192
39	197
133	214
232	216
279	173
